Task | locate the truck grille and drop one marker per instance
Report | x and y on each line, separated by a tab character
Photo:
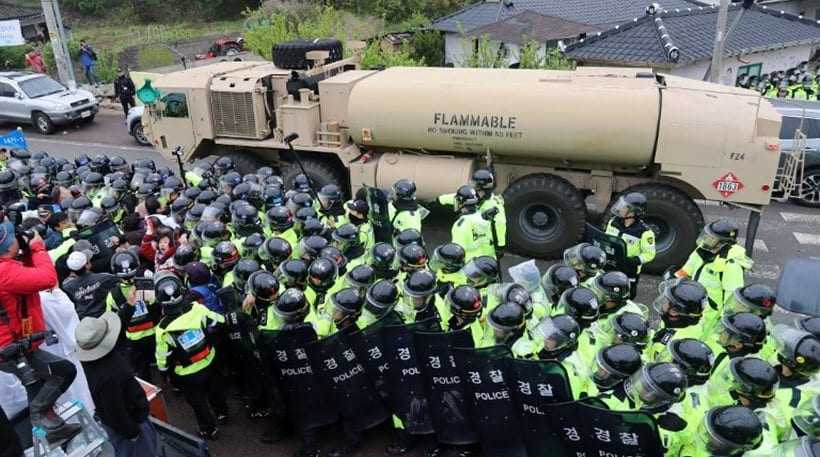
79	103
233	114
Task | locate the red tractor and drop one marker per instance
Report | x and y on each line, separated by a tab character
224	47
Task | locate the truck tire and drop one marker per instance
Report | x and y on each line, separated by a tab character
545	213
291	55
676	220
320	172
245	163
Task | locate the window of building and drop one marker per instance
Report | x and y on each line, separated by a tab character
750	70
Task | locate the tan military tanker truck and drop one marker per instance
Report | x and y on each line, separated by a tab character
556	139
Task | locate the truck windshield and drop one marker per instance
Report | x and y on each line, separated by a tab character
41	86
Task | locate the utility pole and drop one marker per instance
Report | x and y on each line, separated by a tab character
56	33
716	70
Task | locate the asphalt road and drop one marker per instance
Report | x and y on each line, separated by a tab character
786	231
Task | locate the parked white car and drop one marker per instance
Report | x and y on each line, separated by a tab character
134	123
37	99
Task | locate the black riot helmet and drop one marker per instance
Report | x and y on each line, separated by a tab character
483	181
360	277
313	227
559	335
206	197
466	199
181	205
384	257
507	321
274	251
557	279
612	290
347	303
214	232
303	215
322	274
481	271
694	356
753	298
301	183
279	218
223	165
811	325
346	238
585	259
169	292
226	255
118	163
192	193
741	333
581	304
420	284
89	218
293	273
298	201
630	328
518	294
730	431
292	306
100	163
465	302
448	258
632	204
797	349
8	181
245	217
717	235
62	179
242	271
92	180
172	184
194	215
241	191
263	286
615	364
273	196
681	303
230	180
145	164
185	254
656	386
407	237
311	246
333	253
124	265
381	297
748	377
412	258
329	195
404	190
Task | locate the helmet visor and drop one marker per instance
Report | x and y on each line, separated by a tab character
709	241
554	338
622	208
645	392
604	375
718	445
807	417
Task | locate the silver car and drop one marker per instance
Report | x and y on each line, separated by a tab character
37	99
134	124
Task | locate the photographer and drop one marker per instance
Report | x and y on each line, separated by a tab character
44	375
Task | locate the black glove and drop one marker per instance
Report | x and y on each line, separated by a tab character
489	214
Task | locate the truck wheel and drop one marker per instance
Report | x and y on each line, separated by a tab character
139	134
244	162
320	172
291	55
546	214
676	220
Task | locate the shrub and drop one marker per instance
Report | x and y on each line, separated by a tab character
375	56
14	56
428	47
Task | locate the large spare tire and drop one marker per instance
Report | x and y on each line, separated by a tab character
291	55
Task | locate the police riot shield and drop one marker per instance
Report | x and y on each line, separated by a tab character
369	346
798	290
405	383
308	402
536	385
614	247
105	238
356	400
578	428
449	408
379	215
492	410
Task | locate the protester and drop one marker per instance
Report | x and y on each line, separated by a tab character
124	90
123	408
88	59
86	289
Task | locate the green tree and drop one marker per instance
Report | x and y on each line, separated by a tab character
483	53
428	46
375	57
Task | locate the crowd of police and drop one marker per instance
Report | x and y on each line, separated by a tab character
206	269
797	83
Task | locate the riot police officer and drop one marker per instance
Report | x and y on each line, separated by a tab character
465	307
472	231
380	301
348	239
587	260
419	299
556	339
331	211
403	209
280	224
184	348
507	326
384	261
757	299
611	367
627	224
581	304
446	263
555	281
726	431
738	335
679	308
274	251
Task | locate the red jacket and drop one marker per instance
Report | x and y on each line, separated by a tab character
20	284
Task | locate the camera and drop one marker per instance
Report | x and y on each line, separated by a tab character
17	350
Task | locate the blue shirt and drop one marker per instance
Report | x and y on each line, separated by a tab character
85	56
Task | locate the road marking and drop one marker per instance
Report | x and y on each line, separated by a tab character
765	271
807	238
760	245
93	145
800	217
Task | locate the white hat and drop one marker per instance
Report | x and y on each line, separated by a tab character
77	260
96	337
